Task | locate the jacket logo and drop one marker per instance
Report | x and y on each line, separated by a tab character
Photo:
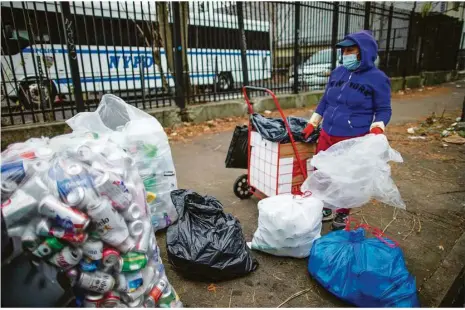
363	89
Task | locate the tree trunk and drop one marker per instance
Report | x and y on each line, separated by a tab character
166	34
184	37
155	51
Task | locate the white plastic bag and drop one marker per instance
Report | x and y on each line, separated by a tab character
144	139
288	225
352	172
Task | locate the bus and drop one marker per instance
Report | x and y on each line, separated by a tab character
119	50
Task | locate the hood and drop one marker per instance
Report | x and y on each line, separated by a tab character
368	48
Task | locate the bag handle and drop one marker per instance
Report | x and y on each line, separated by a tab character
378	233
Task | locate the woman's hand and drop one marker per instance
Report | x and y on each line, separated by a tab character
312	123
377	128
308	131
377	131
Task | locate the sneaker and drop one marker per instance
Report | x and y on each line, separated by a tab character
327	215
339	221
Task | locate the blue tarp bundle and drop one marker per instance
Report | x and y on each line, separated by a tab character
366	272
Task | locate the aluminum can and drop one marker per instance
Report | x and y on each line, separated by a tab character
158	289
48	247
85	154
8	187
35	187
93	249
138	194
98	282
150	302
93	300
16	231
72	274
44	153
151	276
133	296
137	303
143	244
169	298
44	229
129	282
111	299
136	228
110	257
29	239
110	224
18	207
132	213
66	217
127	245
148	277
67	258
41	166
113	187
74	175
81	198
88	265
132	261
14	170
98	166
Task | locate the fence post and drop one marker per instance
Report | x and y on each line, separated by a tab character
296	47
366	24
334	34
346	28
462	117
68	27
180	97
409	45
243	42
388	41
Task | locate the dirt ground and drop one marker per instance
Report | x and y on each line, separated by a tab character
431	181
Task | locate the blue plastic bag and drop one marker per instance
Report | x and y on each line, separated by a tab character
366	272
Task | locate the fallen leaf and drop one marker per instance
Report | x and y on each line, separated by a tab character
212	288
454	140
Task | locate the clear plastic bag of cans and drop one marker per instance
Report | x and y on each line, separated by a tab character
83	209
142	136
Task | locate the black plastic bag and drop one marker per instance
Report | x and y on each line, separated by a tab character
237	153
206	244
297	125
273	129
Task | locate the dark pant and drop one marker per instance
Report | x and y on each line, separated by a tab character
324	142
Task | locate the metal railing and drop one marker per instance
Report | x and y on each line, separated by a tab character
59	58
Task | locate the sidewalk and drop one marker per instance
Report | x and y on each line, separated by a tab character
431	181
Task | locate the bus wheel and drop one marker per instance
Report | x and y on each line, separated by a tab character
225	81
35	94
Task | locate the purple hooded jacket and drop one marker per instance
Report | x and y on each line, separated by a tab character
353	100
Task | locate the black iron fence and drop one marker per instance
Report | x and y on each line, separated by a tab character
59	58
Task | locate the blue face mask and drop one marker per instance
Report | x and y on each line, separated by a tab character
350	62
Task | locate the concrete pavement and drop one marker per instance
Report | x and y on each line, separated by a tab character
421	180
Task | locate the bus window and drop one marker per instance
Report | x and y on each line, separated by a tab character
12	44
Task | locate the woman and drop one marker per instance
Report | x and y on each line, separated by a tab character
357	101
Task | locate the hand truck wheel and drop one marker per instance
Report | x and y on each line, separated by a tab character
241	187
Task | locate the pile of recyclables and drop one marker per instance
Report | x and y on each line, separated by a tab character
77	202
